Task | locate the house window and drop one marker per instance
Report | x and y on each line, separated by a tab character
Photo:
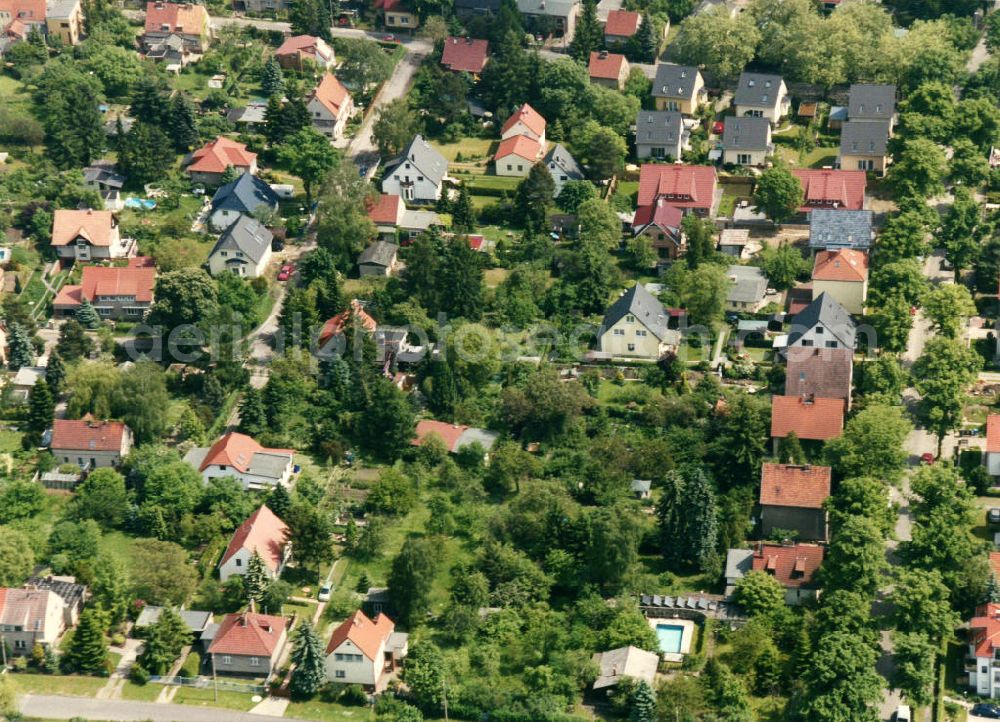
658	152
744	158
807	342
831	344
226	659
866	165
631	347
254	661
619	332
672	105
640	333
630	318
819	329
520	167
20	644
340	674
404	20
239	562
756	114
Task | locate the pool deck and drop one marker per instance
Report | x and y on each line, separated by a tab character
686	636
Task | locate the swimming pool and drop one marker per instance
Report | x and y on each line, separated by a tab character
140	203
670	636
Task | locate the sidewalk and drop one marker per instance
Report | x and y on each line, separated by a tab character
54	707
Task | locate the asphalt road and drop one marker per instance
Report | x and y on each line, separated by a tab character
58	707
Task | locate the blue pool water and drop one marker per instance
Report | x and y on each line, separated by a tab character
140	203
670	636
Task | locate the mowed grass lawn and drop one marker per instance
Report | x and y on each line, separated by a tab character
141	692
470	148
70	685
205	697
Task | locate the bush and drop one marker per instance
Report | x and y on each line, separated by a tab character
354	696
139	675
191	666
20	664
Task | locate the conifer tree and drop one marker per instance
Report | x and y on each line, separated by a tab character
41	407
183	126
279	501
272	80
87	316
166	638
790	450
88	652
463	216
255	581
309	660
19	352
588	35
253	415
643	44
55	373
230	174
642	704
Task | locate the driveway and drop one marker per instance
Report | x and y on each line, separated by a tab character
57	707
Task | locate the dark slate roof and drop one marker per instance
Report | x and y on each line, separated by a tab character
864	137
424	158
674	81
380	253
245	194
745	133
559	158
658	126
869	101
104	176
644	306
69	591
832	228
478	6
757	89
247	235
749	284
825	311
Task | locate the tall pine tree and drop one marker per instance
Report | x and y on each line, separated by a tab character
55	372
272	80
183	126
19	349
279	501
164	642
309	660
88	652
253	415
642	704
255	581
588	35
643	46
463	216
41	408
87	316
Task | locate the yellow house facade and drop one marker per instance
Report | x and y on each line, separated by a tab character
843	275
64	20
678	88
636	327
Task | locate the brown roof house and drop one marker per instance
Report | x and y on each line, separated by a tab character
187	21
90	444
793	565
208	164
791	500
824	372
330	107
31	616
115	292
248	644
89	235
608	69
620	26
297	50
365	651
465	55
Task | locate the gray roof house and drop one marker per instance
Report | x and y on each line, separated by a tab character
739	563
418	174
563	12
746	141
378	259
632	662
242	196
646	307
824	323
748	289
860	137
761	95
636	325
678	87
871	101
243	248
562	167
831	228
467	8
659	134
196	622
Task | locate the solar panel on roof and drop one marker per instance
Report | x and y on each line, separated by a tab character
668	601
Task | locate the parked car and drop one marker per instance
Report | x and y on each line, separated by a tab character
902	713
990	711
389	38
717	127
993	515
324	593
286	272
927	458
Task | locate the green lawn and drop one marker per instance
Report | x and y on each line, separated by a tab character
12	91
141	693
70	685
328	712
10	441
470	148
206	698
817	158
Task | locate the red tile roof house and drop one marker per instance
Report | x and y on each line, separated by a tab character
621	26
240	456
692	187
330	107
335	326
793	565
791	498
992	455
208	164
262	532
89	235
116	293
833	189
90	444
31	616
465	55
524	121
248	644
822	372
297	50
608	69
454	436
19	17
516	155
660	222
812	418
843	274
187	21
366	652
984	647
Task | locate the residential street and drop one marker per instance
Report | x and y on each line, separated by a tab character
113	710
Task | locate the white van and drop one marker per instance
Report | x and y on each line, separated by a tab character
903	713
